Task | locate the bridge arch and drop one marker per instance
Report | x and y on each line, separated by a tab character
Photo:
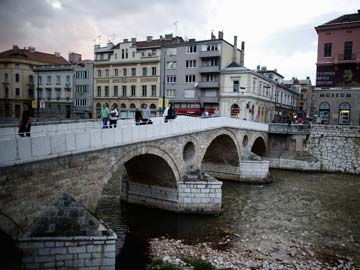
222	148
259	146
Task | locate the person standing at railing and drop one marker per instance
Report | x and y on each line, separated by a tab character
25	124
169	113
114	114
105	116
145	113
301	124
138	117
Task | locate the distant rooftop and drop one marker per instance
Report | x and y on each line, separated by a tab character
344	19
32	55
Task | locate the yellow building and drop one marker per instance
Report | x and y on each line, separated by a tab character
18	79
127	75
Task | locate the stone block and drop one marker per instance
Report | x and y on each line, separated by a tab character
40	146
59	250
44	259
82	140
9	150
95	138
58	144
44	251
64	257
49	244
79	249
70	142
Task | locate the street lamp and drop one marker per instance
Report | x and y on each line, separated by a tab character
163	90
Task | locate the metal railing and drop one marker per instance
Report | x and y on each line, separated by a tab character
280	128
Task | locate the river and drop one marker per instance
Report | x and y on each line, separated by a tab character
301	212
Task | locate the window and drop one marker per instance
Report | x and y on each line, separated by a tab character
124	91
99	91
170	92
17	66
116	71
115	55
344	114
190	63
191	49
171	65
327	49
116	91
153	90
122	53
171	79
189	93
17	77
106	73
57	79
40	80
106	91
153	71
133	90
124	71
190	78
68	78
99	73
171	51
236	86
210	47
324	113
17	92
133	72
6	77
210	78
144	71
126	53
144	91
48	93
348	50
48	80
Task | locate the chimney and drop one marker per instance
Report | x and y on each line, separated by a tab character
242	55
168	36
57	54
235	50
307	77
358	11
213	36
31	49
258	68
110	45
133	40
263	68
275	70
125	40
15	47
221	35
149	38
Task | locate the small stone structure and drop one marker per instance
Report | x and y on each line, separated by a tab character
67	236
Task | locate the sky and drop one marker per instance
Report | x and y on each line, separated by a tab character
278	34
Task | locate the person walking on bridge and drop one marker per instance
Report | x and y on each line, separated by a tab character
25	124
105	116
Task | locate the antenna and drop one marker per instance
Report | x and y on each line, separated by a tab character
176	27
99	37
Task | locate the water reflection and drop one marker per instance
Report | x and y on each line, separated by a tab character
316	210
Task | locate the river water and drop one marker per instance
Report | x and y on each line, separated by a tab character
300	213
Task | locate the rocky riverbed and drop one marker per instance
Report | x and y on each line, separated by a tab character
240	255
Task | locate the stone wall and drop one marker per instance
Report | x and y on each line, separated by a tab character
293	164
254	170
68	253
336	147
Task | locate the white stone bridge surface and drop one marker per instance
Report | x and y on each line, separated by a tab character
49	141
166	165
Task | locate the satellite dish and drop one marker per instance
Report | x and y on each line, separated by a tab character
196	84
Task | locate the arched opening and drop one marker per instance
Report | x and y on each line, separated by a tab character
235	111
344	113
324	113
222	150
259	147
98	109
153	109
245	141
150	169
189	151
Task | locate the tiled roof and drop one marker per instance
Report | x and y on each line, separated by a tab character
348	18
158	42
34	56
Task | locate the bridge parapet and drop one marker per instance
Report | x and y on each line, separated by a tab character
279	128
62	142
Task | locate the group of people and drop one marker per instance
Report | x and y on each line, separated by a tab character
109	116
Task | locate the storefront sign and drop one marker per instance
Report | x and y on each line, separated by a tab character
339	75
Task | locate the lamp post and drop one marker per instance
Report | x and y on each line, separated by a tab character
163	90
38	93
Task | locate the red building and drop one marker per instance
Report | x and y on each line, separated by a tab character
337	92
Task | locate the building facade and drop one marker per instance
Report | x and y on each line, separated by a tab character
55	91
255	96
83	86
191	72
127	75
18	80
337	91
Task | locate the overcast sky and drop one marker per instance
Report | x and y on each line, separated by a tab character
278	34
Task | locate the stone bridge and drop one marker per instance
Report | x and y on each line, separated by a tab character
166	165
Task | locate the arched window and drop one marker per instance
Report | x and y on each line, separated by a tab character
235	111
115	105
324	113
143	105
98	109
344	113
132	106
153	109
123	106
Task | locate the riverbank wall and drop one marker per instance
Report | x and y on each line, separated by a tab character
327	148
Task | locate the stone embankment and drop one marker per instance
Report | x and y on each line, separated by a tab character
239	255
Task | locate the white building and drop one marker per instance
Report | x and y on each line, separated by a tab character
54	90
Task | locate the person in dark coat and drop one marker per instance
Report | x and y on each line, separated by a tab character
138	117
25	124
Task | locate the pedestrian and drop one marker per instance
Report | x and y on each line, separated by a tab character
138	117
216	112
114	114
169	113
145	114
105	115
25	124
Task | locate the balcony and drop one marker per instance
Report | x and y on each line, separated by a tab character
209	69
347	58
207	54
205	84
